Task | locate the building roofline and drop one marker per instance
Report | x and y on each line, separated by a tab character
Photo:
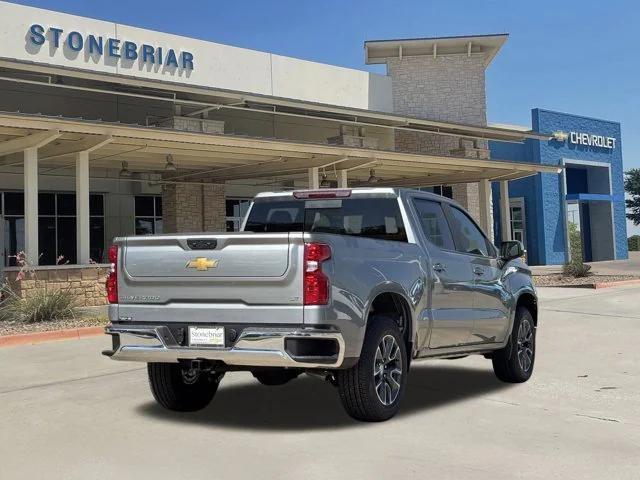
449	37
586	117
488	45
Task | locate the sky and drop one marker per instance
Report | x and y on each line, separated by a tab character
580	57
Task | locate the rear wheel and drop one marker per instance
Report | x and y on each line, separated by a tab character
372	389
275	377
514	363
182	389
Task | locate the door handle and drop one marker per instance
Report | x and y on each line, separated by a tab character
478	270
438	267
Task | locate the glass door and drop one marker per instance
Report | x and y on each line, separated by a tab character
518	225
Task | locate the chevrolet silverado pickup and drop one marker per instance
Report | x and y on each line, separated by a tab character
351	285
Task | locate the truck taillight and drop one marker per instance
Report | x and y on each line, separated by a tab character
112	278
316	283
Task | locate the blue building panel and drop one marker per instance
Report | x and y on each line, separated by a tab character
590	144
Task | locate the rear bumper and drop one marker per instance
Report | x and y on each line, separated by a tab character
259	347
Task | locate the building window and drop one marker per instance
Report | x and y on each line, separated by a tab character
236	209
518	226
148	214
56	227
443	190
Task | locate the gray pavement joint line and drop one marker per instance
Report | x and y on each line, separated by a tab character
635	317
71	380
590	294
593	417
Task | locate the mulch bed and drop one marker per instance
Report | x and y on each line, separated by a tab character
557	280
14	328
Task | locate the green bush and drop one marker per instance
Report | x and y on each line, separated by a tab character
634	243
575	243
576	269
40	305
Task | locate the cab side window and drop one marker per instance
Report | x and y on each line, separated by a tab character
433	223
467	236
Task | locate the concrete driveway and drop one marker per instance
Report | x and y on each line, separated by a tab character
68	413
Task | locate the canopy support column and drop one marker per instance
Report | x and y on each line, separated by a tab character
342	179
505	211
484	192
314	179
31	248
82	208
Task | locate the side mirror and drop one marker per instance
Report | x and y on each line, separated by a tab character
511	249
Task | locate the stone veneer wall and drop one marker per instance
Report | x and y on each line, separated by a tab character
87	282
193	208
449	88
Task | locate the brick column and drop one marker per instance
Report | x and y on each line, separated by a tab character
468	195
193	208
215	212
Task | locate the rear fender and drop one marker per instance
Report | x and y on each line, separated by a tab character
395	288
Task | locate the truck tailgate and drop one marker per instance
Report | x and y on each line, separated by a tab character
213	277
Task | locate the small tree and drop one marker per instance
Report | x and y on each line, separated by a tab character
577	267
632	187
575	243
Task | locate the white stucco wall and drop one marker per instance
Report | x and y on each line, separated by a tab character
215	65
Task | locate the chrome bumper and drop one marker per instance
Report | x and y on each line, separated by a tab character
259	347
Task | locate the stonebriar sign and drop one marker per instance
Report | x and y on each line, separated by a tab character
115	48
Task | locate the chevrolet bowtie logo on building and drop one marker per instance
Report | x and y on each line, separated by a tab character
560	136
202	264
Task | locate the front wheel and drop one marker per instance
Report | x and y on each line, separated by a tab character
181	389
371	390
514	362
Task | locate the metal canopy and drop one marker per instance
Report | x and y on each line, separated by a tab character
220	158
200	99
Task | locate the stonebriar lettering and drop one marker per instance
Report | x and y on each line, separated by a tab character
592	140
112	47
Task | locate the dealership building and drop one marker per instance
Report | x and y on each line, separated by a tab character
109	130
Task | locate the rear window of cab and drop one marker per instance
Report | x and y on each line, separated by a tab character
377	218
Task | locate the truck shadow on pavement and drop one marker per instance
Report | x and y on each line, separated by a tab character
310	404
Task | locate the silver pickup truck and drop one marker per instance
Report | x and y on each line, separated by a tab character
348	284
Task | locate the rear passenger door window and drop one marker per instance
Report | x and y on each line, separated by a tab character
468	238
433	223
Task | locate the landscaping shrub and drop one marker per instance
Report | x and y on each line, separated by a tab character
577	269
40	305
575	243
634	243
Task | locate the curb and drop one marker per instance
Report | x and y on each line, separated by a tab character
50	336
619	283
596	286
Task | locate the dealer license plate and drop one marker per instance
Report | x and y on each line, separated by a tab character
206	336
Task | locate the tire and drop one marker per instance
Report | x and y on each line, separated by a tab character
514	363
275	377
357	385
173	388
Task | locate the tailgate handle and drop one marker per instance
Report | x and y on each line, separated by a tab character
202	243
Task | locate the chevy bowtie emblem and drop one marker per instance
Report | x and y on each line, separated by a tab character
560	136
202	264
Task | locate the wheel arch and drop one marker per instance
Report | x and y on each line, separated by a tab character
529	301
391	300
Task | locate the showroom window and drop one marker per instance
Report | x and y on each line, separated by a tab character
148	214
236	210
56	227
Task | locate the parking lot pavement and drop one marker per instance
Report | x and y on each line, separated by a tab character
69	413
